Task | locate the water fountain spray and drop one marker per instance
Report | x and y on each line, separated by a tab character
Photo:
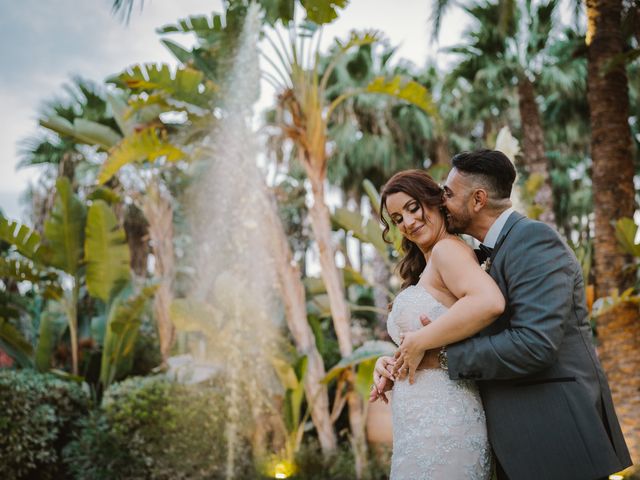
235	280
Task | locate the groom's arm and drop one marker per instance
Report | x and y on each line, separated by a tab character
539	273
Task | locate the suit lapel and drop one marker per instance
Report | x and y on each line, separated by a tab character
503	321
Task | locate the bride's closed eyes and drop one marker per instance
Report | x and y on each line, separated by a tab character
412	207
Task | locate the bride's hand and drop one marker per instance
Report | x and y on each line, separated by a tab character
379	390
410	357
382	378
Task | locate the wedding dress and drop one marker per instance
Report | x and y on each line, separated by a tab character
439	429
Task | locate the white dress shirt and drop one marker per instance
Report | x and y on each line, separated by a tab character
493	234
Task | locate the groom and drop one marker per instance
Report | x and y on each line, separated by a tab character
547	402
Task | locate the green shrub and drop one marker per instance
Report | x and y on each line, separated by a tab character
150	428
311	465
37	416
146	354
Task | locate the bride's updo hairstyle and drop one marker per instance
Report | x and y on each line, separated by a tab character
419	185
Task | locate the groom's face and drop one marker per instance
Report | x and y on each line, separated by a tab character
457	202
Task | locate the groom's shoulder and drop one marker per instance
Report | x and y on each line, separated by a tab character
527	227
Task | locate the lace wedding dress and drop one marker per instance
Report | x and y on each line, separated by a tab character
439	429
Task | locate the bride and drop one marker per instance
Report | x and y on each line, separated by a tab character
439	426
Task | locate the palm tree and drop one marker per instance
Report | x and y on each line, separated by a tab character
57	154
562	85
136	133
496	57
211	56
305	113
614	198
371	138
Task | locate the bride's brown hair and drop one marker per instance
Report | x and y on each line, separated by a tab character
419	185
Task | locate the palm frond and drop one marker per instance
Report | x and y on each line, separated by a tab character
123	8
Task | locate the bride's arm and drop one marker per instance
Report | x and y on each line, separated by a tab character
479	303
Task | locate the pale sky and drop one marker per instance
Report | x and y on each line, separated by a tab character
43	43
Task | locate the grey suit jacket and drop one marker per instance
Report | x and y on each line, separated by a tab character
546	398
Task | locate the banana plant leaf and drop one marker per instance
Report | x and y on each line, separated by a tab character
626	230
368	231
604	304
183	84
275	10
370	350
23	270
11	304
52	326
357	39
315	285
292	379
323	11
84	131
28	242
123	324
182	54
146	144
393	234
64	230
106	194
364	376
120	108
407	90
217	37
15	345
106	252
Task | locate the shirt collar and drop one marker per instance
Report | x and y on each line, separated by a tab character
492	235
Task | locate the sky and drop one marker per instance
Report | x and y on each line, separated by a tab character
44	43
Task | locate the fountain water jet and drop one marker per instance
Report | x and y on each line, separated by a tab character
235	279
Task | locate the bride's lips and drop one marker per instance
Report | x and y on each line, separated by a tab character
416	230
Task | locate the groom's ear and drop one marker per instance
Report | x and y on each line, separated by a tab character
479	199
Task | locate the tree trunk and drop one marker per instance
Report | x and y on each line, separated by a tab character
135	226
535	160
613	198
441	152
159	213
321	226
381	276
296	313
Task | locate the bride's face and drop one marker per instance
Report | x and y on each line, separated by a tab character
420	224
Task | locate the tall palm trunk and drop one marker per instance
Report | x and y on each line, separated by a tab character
613	192
321	227
296	313
381	276
535	160
441	152
159	213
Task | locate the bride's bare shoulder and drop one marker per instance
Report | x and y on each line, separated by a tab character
451	246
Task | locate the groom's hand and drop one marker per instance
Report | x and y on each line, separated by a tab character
410	356
430	359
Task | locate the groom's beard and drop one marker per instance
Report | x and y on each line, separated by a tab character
458	223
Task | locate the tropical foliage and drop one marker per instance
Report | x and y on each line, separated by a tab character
94	283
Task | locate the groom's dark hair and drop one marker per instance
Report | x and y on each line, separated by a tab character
492	168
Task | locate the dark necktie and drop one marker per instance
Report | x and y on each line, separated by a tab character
483	252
